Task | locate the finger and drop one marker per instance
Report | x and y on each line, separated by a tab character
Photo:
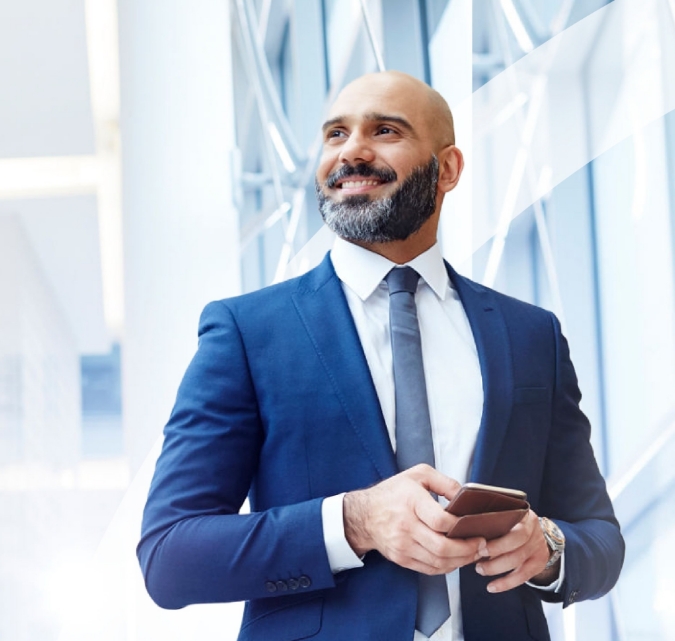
457	552
429	570
500	562
519	576
504	563
439	565
413	563
438	553
518	536
416	557
432	514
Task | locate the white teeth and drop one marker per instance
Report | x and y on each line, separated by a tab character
351	184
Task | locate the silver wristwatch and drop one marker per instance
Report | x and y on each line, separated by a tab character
554	538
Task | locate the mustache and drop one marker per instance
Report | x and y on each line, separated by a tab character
361	169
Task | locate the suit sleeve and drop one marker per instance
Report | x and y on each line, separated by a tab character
195	547
574	493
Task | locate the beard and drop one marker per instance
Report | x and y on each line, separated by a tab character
396	217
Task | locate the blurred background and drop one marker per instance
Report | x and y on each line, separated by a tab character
158	155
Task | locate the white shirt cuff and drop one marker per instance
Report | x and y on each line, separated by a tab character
557	584
340	554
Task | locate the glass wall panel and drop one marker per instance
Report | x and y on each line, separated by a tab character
645	505
634	233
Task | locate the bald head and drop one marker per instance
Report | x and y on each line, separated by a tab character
395	88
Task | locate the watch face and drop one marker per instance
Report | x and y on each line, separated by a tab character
555	533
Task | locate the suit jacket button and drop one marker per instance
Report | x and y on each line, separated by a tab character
304	581
281	586
573	596
294	584
271	586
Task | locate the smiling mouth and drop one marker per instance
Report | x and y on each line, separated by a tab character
361	178
355	184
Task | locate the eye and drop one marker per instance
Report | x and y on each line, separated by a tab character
386	129
334	133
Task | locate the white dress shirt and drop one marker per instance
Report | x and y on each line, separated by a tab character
453	379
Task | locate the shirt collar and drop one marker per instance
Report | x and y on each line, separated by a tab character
363	270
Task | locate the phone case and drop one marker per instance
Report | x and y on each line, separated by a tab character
489	513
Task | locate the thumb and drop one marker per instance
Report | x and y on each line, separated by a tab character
433	481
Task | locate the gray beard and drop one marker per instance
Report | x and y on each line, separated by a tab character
358	218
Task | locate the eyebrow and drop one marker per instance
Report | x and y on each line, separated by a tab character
372	117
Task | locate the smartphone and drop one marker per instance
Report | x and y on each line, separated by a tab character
516	494
486	510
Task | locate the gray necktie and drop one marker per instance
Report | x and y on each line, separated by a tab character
414	444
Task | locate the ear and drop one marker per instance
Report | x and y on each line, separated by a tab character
450	166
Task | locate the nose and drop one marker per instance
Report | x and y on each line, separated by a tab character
357	148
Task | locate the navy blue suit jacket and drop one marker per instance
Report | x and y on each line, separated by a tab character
278	404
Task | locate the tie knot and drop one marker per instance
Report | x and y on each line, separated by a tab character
402	279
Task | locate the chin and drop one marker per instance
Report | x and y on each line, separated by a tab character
356	199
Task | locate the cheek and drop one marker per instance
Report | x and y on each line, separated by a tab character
400	165
321	178
328	163
322	171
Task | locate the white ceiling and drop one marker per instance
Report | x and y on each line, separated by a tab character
45	110
44	84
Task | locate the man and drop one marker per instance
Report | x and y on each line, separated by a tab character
297	398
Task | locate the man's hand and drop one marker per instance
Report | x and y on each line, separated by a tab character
523	552
401	520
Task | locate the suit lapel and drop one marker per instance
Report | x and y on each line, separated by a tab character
322	306
494	354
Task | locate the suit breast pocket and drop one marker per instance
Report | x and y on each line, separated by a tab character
531	395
